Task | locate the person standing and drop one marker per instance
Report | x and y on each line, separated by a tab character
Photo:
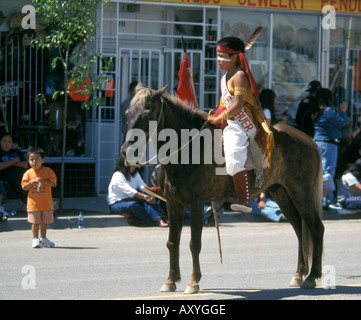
38	181
328	124
308	106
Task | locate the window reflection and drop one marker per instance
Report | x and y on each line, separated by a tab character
294	58
242	25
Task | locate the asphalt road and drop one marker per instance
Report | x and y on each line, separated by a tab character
123	262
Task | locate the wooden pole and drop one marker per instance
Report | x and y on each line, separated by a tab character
190	77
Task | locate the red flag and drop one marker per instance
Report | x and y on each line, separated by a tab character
184	90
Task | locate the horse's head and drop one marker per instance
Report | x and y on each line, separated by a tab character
146	106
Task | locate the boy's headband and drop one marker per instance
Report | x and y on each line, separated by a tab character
226	49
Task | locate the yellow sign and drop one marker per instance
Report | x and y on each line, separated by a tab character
350	6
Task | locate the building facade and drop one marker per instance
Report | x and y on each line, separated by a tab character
299	43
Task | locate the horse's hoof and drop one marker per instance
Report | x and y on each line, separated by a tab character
168	288
192	289
309	284
296	282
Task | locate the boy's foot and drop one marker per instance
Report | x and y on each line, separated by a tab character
36	243
46	243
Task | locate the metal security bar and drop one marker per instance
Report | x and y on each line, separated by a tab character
21	79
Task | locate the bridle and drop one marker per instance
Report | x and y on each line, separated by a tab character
148	163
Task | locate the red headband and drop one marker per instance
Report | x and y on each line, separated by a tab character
225	49
244	64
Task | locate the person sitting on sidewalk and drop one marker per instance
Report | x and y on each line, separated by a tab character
267	208
349	191
13	165
124	197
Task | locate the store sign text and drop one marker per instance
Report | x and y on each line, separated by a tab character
311	5
9	90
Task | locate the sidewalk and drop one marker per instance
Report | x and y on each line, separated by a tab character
96	215
95	211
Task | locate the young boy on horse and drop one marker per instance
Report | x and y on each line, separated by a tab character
243	118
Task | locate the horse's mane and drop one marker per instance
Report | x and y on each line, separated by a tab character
184	111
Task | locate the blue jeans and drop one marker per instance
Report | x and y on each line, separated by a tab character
139	209
328	152
352	202
271	212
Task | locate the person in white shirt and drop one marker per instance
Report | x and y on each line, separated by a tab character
349	191
124	196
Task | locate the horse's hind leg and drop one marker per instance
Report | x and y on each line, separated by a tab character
309	205
315	230
175	215
280	195
196	216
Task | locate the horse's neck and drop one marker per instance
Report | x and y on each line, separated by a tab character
176	118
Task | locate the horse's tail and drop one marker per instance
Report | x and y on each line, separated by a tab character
307	242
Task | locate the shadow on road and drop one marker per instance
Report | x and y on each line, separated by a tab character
287	293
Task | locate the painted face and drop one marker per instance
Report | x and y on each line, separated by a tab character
223	60
6	143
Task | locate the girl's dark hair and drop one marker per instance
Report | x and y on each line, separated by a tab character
234	43
37	150
267	100
120	166
324	99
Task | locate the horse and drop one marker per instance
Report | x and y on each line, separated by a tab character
294	180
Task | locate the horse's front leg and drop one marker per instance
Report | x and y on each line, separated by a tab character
196	219
175	216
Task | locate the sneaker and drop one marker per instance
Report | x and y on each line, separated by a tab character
46	243
155	192
36	243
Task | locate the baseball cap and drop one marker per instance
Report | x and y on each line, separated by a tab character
314	85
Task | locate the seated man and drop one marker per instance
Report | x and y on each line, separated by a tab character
267	208
349	192
3	213
13	165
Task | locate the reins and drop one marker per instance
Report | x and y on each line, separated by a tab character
148	163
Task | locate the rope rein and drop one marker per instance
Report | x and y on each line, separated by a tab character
148	163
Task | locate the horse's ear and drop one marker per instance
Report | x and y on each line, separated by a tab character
139	86
159	92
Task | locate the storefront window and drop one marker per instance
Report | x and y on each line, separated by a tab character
242	24
25	72
345	65
294	58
